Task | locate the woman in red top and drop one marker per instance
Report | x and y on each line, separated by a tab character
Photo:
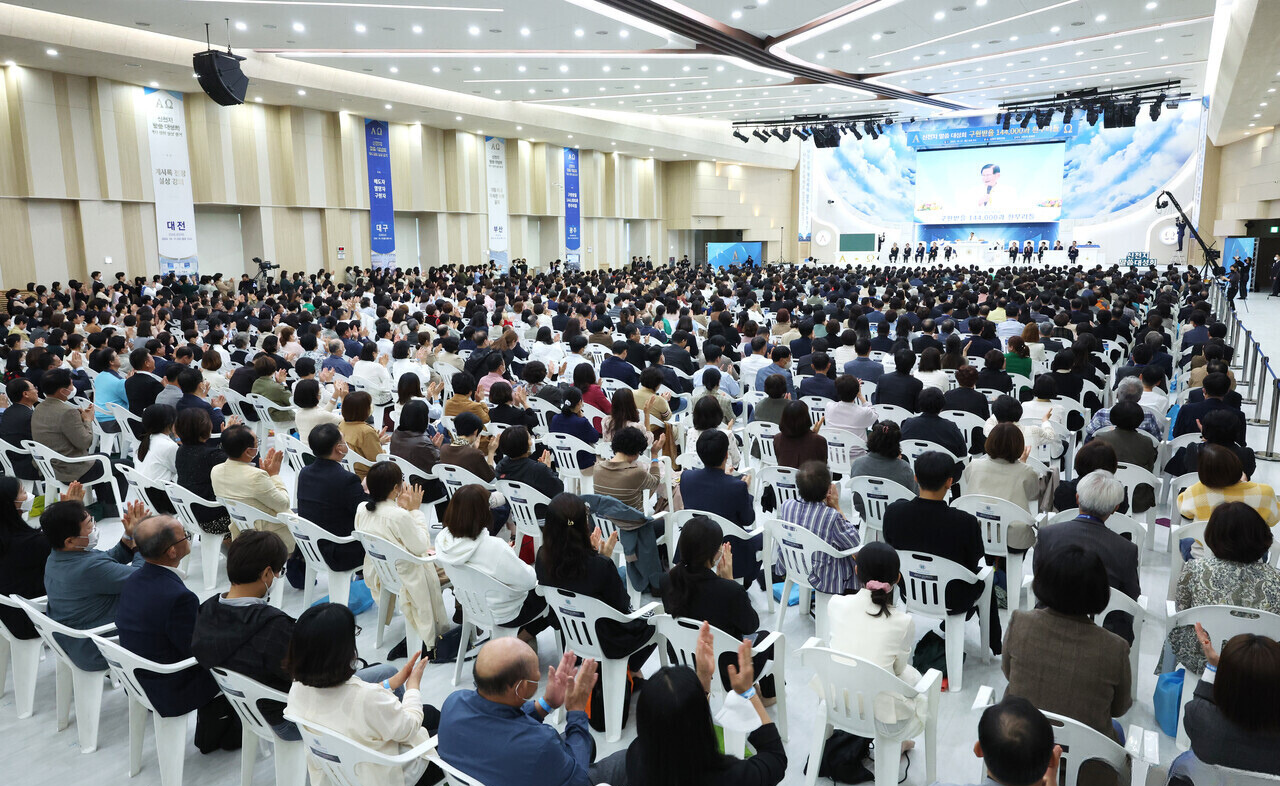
584	379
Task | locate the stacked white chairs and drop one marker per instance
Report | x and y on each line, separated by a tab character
1081	744
579	616
849	689
343	761
566	449
995	516
25	656
925	580
185	502
524	499
385	557
171	733
244	694
475	591
308	536
876	494
797	548
72	681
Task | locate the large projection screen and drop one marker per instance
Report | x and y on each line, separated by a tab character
1000	184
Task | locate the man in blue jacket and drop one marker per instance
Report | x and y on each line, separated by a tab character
617	367
713	491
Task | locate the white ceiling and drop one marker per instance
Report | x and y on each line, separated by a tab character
585	55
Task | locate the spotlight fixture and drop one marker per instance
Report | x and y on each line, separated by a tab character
999	117
854	128
1026	120
1157	106
739	135
1043	116
879	128
803	133
889	121
1008	117
776	134
762	136
1067	114
1092	115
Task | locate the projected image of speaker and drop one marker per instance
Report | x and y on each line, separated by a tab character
826	136
220	76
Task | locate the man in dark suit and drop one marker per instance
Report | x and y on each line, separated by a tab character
1098	494
15	425
928	337
1141	359
157	616
142	389
964	397
617	367
712	491
862	366
899	388
820	384
1216	387
677	352
637	354
328	496
804	345
932	427
1198	333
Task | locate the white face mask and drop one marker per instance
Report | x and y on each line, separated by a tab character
93	539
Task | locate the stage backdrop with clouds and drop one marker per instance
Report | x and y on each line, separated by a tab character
1109	182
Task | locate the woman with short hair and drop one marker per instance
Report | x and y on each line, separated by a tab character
798	440
1221	479
360	436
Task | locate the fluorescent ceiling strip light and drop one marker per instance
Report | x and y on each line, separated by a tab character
867	10
704	91
1036	67
335	4
631	21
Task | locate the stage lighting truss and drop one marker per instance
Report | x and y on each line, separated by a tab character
803	126
1094	104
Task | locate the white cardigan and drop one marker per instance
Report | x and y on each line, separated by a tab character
492	557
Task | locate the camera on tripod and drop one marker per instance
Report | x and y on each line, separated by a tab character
264	266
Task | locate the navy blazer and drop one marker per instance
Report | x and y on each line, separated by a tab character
619	369
328	495
818	385
1189	413
192	401
156	619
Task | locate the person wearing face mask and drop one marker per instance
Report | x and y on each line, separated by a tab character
82	583
329	495
23	554
64	428
156	617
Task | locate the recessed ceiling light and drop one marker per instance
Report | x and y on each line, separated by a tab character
613	143
457	117
1271	90
1013	38
846	47
564	90
521	69
394	70
1159	40
1100	18
875	36
360	28
1079	53
51	52
532	91
605	69
241	26
939	16
684	155
298	27
821	56
1054	29
497	92
1264	103
1258	115
719	68
10	63
579	32
476	69
435	69
624	33
644	68
417	29
1152	6
736	14
302	92
155	84
564	69
386	106
473	30
524	31
571	136
974	46
257	99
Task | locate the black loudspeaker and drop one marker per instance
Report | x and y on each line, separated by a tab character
220	77
826	136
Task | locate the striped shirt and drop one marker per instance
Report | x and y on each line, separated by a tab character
833	575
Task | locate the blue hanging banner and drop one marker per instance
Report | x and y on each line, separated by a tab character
382	218
572	209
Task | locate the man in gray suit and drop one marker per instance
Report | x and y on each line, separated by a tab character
60	426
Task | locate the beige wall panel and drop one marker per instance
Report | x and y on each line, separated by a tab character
312	239
102	236
262	121
47	247
431	239
255	232
79	92
17	264
207	183
334	169
138	220
12	183
433	168
132	153
551	239
311	162
40	124
219	240
244	162
402	179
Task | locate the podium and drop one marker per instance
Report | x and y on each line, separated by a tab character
970	252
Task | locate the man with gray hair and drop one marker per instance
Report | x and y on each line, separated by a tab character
157	617
337	359
1128	389
1098	494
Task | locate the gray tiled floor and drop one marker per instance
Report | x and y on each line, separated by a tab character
31	752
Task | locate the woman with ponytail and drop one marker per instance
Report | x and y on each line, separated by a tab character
393	513
157	449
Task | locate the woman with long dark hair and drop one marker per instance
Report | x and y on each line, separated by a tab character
23	553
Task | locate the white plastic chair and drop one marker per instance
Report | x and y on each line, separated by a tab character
244	694
44	457
925	580
142	487
544	410
1081	743
797	548
877	494
455	477
848	689
72	681
385	557
579	615
475	591
184	502
128	423
783	482
995	516
25	654
1174	487
566	449
892	412
682	637
171	733
913	449
759	437
969	424
840	445
817	406
1177	532
342	760
308	536
524	500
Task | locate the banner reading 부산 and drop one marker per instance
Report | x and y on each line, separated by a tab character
382	218
495	155
572	209
171	181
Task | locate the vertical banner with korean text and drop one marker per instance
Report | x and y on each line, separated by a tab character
805	219
171	181
495	156
382	223
572	211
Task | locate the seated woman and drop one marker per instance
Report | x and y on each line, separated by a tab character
798	440
309	410
393	513
157	450
1233	573
1132	447
850	411
1018	359
584	379
818	510
625	414
327	691
570	421
884	458
1233	719
211	370
270	385
360	436
466	541
1221	479
415	440
518	463
575	557
1003	471
24	551
505	412
930	369
701	587
194	461
1217	427
371	371
711	388
707	415
992	375
1063	662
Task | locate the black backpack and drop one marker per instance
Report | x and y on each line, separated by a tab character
842	758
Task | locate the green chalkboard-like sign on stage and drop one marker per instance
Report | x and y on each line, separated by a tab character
858	242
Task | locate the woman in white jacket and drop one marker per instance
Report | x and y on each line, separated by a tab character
466	542
393	513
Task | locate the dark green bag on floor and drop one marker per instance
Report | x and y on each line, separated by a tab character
930	653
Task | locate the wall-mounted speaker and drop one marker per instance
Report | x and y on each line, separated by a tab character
220	76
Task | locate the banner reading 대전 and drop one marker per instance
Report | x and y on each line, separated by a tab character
572	209
171	182
495	156
382	216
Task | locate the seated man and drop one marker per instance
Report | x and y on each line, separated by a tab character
190	380
713	491
899	388
780	366
157	615
60	426
328	495
1098	494
501	715
238	480
862	366
616	366
927	524
932	427
142	389
1128	389
818	510
464	398
1191	414
83	583
15	425
819	384
1015	743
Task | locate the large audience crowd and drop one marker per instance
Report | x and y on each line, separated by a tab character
624	436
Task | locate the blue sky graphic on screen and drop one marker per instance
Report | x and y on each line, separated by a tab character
725	254
1001	184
